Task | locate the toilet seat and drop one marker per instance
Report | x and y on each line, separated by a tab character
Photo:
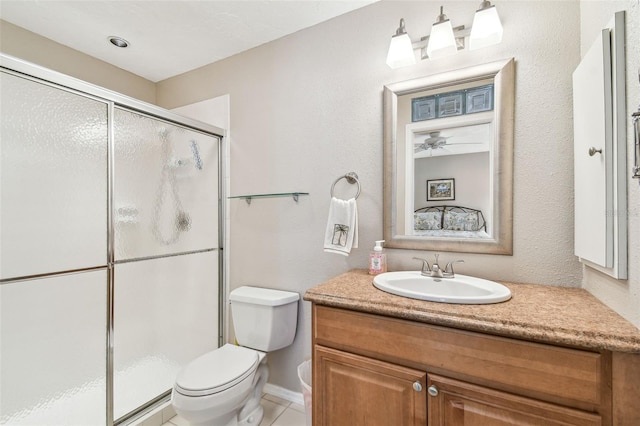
217	371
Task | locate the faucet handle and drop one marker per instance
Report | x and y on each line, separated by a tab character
449	268
425	265
435	266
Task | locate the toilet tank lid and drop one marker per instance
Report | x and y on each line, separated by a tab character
263	296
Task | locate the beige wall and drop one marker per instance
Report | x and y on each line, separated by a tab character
622	296
23	44
307	109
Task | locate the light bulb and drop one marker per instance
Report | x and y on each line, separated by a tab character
487	28
441	40
400	49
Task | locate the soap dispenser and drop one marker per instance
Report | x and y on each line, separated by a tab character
377	259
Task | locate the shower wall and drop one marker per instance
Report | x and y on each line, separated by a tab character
109	251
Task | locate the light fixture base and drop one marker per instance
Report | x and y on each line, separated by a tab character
459	33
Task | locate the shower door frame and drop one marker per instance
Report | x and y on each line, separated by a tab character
36	73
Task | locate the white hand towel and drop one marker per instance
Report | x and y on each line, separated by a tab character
342	227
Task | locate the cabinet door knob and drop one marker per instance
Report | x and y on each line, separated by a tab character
593	150
433	390
417	386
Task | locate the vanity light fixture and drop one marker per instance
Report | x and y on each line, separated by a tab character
445	39
441	40
487	28
400	49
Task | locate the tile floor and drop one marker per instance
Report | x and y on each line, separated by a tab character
277	412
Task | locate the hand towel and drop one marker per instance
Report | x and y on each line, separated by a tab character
342	227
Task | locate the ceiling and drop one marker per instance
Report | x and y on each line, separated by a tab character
168	38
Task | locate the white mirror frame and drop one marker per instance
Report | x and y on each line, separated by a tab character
503	75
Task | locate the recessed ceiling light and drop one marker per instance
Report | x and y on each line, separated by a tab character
118	41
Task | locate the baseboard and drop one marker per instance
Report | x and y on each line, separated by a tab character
280	392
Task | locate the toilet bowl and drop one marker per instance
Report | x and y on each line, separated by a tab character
223	387
210	389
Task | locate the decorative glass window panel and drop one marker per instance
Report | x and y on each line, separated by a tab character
450	104
423	108
479	99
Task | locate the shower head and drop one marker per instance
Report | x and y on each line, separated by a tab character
196	155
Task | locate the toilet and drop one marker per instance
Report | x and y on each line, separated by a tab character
223	387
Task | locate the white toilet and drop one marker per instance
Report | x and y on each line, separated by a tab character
223	387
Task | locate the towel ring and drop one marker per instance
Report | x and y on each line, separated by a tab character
352	178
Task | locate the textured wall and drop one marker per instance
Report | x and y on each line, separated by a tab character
31	47
307	108
623	296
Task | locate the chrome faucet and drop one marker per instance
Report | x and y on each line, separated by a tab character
448	270
426	269
435	270
430	271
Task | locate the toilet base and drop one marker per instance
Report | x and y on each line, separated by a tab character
254	418
252	412
244	397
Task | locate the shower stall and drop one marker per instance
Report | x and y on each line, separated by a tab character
110	249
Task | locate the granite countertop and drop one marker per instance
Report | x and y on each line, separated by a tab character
557	315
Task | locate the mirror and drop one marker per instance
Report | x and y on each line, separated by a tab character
448	161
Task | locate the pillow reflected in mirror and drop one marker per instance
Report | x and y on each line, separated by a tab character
427	221
461	221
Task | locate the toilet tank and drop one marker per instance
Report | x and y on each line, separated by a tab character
263	318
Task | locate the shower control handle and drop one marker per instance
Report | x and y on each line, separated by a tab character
593	150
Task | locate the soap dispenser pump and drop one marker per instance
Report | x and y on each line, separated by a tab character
377	259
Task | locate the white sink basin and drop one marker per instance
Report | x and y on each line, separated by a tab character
461	289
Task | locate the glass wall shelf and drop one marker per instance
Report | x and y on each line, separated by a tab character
248	198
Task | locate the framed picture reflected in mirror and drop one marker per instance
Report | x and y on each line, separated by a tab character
441	189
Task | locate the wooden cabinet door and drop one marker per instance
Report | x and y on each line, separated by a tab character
352	390
455	403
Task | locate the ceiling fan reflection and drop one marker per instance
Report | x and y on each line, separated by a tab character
434	141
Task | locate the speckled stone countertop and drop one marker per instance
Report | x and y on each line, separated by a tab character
558	315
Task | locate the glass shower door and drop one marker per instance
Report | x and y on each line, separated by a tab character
166	260
53	255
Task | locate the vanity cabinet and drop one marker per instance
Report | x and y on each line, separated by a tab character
363	391
375	370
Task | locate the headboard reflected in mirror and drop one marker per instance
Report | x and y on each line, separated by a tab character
448	141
